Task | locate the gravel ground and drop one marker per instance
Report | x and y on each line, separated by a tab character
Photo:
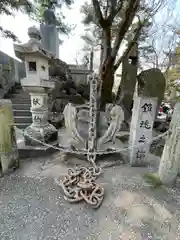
32	206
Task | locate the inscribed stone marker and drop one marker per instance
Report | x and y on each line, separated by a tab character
141	129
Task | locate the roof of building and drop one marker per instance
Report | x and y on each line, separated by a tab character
6	54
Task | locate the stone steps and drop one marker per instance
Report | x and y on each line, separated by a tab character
23	119
22	126
21	101
17	112
21	104
18	93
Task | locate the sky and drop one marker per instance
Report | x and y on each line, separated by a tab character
72	45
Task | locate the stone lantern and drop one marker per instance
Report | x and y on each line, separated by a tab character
38	84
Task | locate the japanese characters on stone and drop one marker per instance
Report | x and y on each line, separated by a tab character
36	101
145	125
147	107
141	131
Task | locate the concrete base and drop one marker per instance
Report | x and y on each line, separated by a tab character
26	151
69	145
47	134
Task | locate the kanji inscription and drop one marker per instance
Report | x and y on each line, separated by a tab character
144	110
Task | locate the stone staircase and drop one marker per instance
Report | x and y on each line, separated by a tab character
21	108
22	118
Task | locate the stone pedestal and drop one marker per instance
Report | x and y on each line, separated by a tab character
144	111
40	128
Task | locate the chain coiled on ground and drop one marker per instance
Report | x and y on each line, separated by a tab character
79	185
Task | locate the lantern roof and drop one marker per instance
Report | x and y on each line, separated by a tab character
33	46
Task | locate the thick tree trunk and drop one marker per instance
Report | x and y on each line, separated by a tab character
127	87
107	85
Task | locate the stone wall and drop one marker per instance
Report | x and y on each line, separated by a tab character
80	74
5	60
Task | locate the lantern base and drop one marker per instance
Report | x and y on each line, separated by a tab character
36	136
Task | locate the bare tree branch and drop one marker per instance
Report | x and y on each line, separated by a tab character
128	17
98	12
112	14
129	47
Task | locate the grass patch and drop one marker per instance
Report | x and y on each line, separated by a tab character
153	179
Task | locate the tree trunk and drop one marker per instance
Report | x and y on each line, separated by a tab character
127	87
107	78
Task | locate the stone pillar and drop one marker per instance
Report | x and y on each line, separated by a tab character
170	160
40	128
8	149
50	38
16	72
143	115
39	109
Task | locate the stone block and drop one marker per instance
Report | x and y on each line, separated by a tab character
144	111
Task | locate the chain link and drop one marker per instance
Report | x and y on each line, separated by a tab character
79	184
98	152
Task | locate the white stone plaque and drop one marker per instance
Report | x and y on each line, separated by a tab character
143	116
39	118
38	100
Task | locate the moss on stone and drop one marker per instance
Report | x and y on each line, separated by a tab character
6	121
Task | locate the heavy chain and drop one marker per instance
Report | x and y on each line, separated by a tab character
99	152
79	185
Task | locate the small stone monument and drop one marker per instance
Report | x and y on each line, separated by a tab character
152	83
144	111
38	84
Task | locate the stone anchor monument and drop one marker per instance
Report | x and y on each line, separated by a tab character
82	133
38	84
79	185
